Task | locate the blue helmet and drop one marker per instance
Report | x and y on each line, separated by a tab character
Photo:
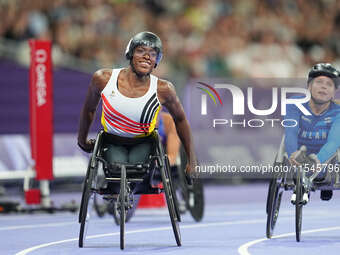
147	39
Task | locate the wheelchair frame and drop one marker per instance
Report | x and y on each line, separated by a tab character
192	195
285	181
129	173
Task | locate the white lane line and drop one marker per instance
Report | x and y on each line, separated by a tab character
61	224
37	226
217	224
243	249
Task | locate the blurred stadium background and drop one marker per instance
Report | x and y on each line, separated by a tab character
211	39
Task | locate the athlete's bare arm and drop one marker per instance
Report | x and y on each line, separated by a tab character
172	143
98	83
167	97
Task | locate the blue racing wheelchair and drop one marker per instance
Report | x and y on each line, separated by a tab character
297	180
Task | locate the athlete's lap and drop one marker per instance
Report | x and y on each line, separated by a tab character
127	153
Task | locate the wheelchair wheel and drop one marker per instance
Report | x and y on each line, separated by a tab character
298	204
196	207
273	206
121	205
84	188
271	183
84	208
173	189
170	200
113	209
194	195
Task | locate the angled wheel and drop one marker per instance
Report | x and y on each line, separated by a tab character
172	188
121	205
298	204
271	183
193	195
84	213
84	189
196	200
273	205
170	195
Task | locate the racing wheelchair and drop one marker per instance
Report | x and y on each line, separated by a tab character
192	195
296	180
123	181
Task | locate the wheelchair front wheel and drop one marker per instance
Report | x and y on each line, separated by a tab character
112	208
121	207
298	204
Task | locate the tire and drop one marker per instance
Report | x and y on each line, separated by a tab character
273	206
172	188
84	213
169	195
298	204
271	183
197	209
122	211
84	188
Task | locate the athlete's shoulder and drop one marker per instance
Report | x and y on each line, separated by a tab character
165	91
103	74
164	85
335	109
101	77
336	102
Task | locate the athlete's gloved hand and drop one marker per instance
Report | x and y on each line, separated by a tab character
307	161
190	171
298	157
188	179
88	146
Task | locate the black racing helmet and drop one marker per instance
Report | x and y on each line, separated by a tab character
145	38
325	69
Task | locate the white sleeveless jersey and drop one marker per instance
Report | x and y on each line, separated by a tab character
126	116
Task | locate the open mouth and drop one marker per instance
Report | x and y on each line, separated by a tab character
143	63
322	93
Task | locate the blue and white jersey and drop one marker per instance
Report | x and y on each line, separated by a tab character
320	133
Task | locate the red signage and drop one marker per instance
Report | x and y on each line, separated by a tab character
41	112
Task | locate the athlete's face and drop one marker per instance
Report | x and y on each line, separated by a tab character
322	89
144	59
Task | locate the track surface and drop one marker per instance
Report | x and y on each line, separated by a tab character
234	223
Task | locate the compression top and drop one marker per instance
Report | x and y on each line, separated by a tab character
320	133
